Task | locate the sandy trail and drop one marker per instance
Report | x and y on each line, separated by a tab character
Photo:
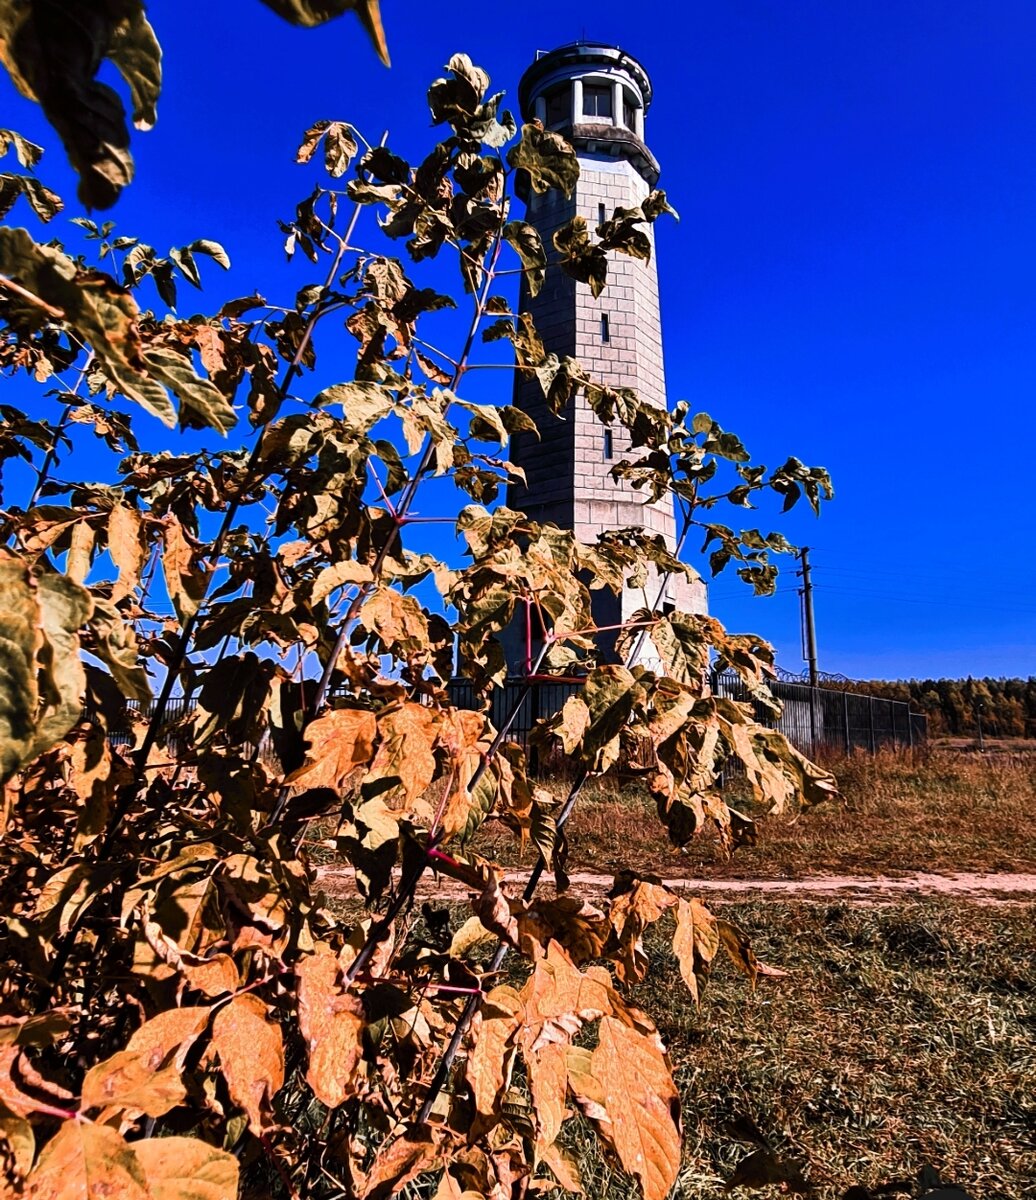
980	888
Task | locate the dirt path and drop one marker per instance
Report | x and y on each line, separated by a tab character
980	888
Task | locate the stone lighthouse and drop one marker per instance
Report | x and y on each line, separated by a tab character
597	97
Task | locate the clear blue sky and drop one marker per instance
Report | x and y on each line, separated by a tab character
853	279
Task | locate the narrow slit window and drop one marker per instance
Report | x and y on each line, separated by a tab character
601	216
605	334
609	445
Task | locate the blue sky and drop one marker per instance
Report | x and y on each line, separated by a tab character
853	279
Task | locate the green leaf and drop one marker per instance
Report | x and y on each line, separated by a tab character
547	159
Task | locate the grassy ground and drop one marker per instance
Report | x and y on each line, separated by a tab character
946	812
904	1036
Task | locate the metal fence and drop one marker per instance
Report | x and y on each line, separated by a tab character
812	719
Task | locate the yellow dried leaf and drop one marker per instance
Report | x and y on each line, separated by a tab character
186	572
631	912
548	1081
399	1161
695	944
185	1168
337	743
126	549
83	1161
16	1133
642	1106
564	1168
408	733
331	1021
739	949
491	1059
145	1077
251	1055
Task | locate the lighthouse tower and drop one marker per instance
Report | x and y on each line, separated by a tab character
596	96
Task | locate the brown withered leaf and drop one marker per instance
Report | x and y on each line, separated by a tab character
316	12
559	999
637	906
251	1056
331	1021
145	1077
126	548
91	776
491	1059
408	733
16	1133
186	1168
564	1167
695	944
337	743
83	1161
548	1082
186	571
642	1104
15	1069
398	1161
739	949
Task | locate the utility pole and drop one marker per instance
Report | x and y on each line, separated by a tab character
809	627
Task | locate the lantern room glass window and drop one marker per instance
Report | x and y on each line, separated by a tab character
597	100
559	106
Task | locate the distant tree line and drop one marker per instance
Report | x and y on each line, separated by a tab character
1006	707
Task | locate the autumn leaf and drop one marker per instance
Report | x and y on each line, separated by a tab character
251	1056
695	944
398	1161
642	1104
405	761
186	1168
739	949
548	1081
145	1077
337	743
83	1161
126	549
491	1059
331	1022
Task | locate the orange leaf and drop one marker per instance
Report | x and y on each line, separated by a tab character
641	1101
548	1080
399	1161
83	1161
695	944
145	1077
737	945
126	549
337	743
408	733
251	1055
331	1021
186	1168
491	1059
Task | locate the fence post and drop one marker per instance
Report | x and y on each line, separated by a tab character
871	711
845	722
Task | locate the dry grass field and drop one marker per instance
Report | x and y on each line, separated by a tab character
904	1035
942	812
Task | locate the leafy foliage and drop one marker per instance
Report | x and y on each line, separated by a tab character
54	52
179	1003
